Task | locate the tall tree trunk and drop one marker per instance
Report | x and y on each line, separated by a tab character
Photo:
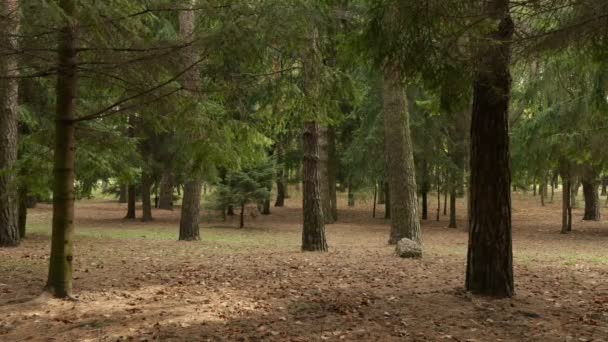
400	157
490	255
324	175
375	199
591	194
146	203
131	200
165	199
242	216
445	203
381	195
62	241
387	201
425	205
424	190
190	214
566	205
23	198
122	194
453	223
332	168
438	202
604	185
280	200
9	118
313	234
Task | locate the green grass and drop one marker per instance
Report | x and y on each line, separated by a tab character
218	236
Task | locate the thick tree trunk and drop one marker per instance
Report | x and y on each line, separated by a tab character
122	195
146	203
324	175
453	223
62	241
131	200
490	256
313	234
332	168
592	198
9	117
190	214
165	198
400	160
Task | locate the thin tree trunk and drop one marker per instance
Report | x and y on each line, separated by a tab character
351	195
280	200
242	216
381	195
425	206
165	198
146	203
566	205
445	203
313	234
375	198
490	255
190	214
401	171
266	207
59	281
453	223
131	199
22	211
9	117
438	203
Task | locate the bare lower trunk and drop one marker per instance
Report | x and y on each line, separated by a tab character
566	205
387	201
400	160
490	256
281	175
453	223
190	214
375	198
313	234
146	203
131	199
242	216
9	116
332	166
165	198
592	198
23	199
59	281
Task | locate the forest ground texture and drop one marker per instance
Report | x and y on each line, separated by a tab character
134	281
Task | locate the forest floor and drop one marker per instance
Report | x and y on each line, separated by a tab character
135	282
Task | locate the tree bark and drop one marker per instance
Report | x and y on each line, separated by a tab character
400	159
131	200
566	205
425	206
122	195
445	203
332	167
387	201
324	175
280	200
313	234
23	199
59	281
165	199
146	203
190	214
375	199
9	118
242	216
592	198
490	256
453	223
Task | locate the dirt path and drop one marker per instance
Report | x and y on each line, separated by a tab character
135	282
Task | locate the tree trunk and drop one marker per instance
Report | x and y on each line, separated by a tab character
23	198
242	216
400	157
387	201
332	167
438	203
165	199
280	200
574	185
131	199
490	255
324	175
453	223
445	203
146	203
375	198
313	234
425	205
592	198
122	195
566	205
9	117
190	214
266	207
604	185
62	241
